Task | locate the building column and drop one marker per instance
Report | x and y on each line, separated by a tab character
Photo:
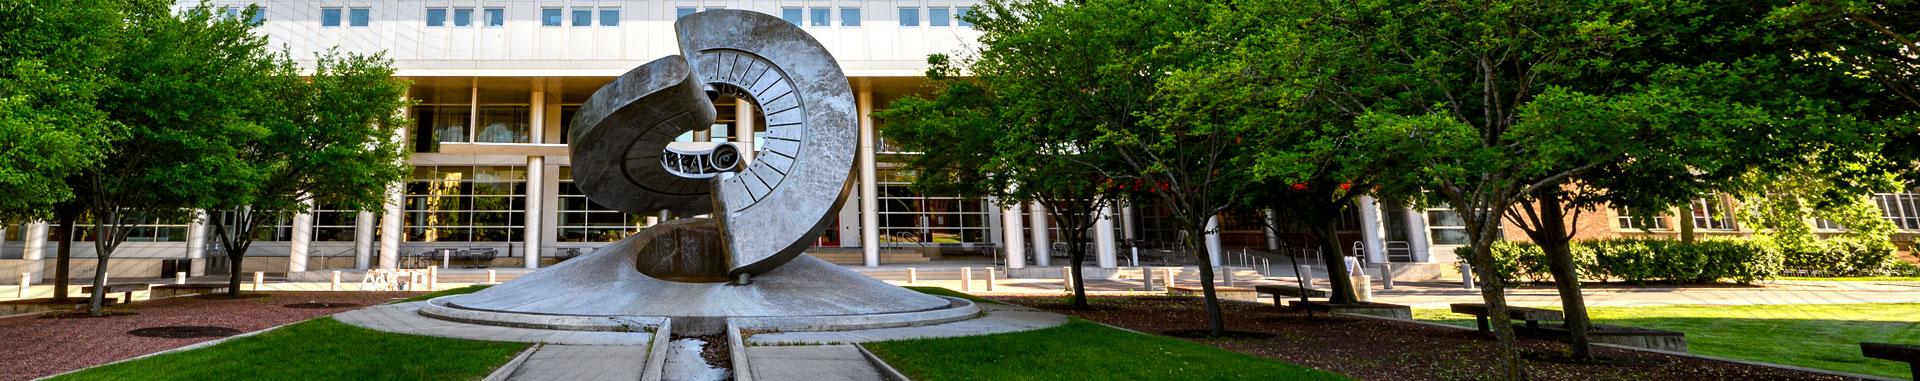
743	129
1105	251
299	247
1127	229
1273	222
197	234
1417	240
536	193
1213	240
869	191
363	239
1373	230
35	248
390	227
1042	247
1011	236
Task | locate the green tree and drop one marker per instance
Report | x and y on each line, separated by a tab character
329	141
189	89
1014	131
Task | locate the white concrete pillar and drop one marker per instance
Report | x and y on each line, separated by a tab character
1042	245
197	236
1417	235
1011	236
869	191
743	129
301	245
1127	229
1213	240
536	193
363	239
1105	249
35	248
390	227
1273	221
1373	229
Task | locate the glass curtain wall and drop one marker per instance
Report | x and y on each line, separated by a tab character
581	220
911	219
466	203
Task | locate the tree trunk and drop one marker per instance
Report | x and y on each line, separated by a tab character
234	256
1686	222
1077	255
1551	235
1494	293
1334	259
63	253
103	233
1197	238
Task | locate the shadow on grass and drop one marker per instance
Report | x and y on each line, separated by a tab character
1080	350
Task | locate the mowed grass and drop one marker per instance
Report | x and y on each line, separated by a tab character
436	294
952	293
1823	336
319	349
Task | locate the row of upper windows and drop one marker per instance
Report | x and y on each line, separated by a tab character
610	16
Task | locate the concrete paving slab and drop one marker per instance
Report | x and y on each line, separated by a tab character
998	319
404	319
583	363
811	363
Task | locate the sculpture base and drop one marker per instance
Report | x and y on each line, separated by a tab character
603	291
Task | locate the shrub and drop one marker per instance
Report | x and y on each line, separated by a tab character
1639	261
1906	269
1840	257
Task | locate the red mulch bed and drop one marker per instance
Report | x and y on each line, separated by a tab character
1374	349
42	345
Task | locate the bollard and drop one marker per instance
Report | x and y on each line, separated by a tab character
1146	279
433	279
966	279
335	284
26	280
1305	273
1226	273
1386	276
990	279
491	278
913	275
1168	272
1066	279
180	277
1363	288
1466	276
258	278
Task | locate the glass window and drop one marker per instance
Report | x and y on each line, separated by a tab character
909	16
496	17
466	204
1626	220
549	16
912	219
792	15
229	13
960	16
849	16
143	230
436	17
566	122
609	16
463	17
1714	213
684	11
821	17
938	17
330	16
582	17
259	16
359	16
1903	209
332	224
582	220
436	124
1447	227
503	124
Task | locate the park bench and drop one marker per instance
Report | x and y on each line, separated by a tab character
1909	354
173	290
127	288
1671	341
1223	292
1279	290
1385	310
1533	316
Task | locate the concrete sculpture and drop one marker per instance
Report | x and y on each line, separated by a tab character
743	265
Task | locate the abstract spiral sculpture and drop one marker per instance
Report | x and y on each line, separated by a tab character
742	266
763	214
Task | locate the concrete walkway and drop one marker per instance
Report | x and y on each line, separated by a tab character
403	319
583	363
811	363
999	319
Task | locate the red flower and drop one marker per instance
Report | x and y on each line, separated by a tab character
1300	186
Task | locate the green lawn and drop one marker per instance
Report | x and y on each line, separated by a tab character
1080	350
1824	336
952	293
319	349
436	294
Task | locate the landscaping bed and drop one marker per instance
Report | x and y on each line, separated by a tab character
1376	349
37	346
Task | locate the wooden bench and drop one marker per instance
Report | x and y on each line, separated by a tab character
1533	316
1909	354
1390	311
1279	290
1223	292
127	288
173	290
